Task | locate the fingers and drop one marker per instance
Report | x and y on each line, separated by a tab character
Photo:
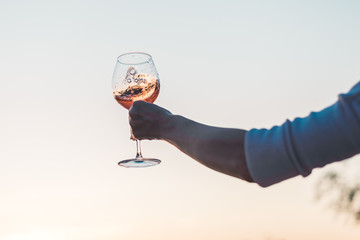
142	121
147	120
143	130
141	108
135	110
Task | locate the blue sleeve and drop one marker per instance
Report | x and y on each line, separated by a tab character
298	146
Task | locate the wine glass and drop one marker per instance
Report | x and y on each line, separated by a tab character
135	78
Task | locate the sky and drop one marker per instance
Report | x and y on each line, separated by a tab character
241	64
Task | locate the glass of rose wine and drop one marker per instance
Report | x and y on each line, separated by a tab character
135	78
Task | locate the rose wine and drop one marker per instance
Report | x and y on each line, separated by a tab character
143	87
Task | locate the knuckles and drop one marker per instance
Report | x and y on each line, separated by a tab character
138	104
134	124
142	119
136	109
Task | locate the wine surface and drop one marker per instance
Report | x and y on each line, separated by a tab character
143	87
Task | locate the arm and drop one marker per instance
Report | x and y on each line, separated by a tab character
297	147
261	155
221	149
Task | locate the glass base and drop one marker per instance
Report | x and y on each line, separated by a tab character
139	162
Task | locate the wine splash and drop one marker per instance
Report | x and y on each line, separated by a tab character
143	87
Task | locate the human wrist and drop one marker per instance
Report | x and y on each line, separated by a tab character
169	126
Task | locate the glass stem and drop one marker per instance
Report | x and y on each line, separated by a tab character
138	149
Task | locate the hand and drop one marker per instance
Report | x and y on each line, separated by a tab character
148	120
221	149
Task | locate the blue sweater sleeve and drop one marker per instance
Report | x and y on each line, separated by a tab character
298	146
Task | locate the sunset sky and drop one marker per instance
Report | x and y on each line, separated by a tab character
241	64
